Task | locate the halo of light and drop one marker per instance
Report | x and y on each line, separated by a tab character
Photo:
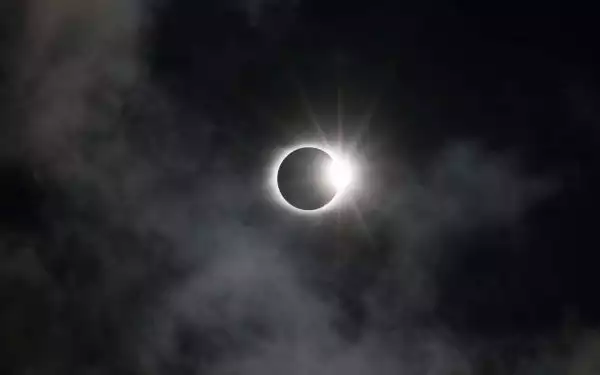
339	172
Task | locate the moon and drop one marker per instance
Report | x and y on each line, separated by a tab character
310	178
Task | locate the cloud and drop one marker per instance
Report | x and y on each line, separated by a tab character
79	60
463	190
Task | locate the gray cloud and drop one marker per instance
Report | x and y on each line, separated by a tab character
81	58
462	190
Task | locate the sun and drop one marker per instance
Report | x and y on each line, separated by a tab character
339	173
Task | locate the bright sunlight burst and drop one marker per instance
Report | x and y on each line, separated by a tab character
338	173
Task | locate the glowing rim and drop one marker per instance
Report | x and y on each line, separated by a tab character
274	188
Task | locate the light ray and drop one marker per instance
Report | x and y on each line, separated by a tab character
309	111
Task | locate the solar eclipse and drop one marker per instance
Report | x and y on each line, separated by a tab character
310	178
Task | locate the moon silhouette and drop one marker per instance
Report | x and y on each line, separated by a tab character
301	179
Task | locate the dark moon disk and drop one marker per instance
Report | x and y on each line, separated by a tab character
300	179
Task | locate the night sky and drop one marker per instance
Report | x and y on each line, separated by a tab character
138	233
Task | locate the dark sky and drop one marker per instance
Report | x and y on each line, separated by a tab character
137	236
427	75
